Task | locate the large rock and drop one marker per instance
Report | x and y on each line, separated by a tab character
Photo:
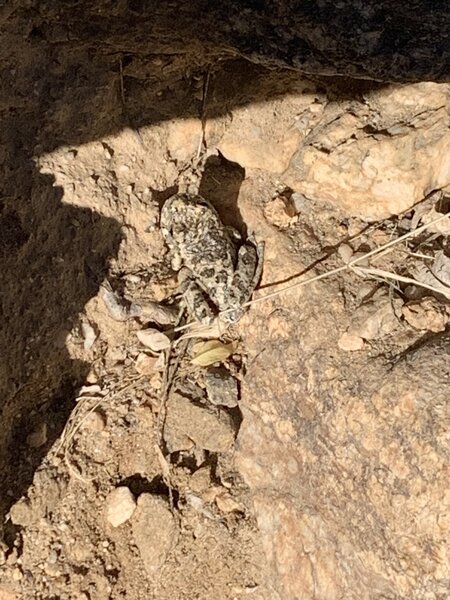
373	156
346	457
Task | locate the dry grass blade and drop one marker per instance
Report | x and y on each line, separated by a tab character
394	276
78	417
378	252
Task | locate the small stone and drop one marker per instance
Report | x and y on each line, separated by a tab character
154	531
221	387
120	505
299	202
350	342
38	437
145	364
89	390
346	253
153	339
21	513
200	480
16	574
427	314
89	335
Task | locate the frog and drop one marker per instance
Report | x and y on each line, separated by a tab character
218	271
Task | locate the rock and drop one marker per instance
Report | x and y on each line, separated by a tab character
155	532
38	437
200	480
120	505
188	424
21	513
184	137
266	135
350	342
226	504
276	212
145	364
375	318
351	163
221	387
89	335
427	314
6	594
94	421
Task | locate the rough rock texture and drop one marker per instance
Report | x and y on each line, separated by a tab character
154	532
348	465
372	156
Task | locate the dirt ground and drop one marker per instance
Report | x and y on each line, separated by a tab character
218	497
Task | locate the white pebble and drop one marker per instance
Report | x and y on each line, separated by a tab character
120	505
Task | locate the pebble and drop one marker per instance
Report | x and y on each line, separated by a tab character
155	532
21	513
120	505
145	365
153	339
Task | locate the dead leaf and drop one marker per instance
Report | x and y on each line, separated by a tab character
437	275
210	352
153	339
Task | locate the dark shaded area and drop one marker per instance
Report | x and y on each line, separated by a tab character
74	71
157	487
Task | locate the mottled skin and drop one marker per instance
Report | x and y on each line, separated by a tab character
219	272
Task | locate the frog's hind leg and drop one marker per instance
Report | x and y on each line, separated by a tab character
245	279
194	298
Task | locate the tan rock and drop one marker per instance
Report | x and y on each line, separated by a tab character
266	135
376	318
94	421
145	364
5	594
276	213
154	531
183	138
427	314
369	173
120	505
226	504
21	513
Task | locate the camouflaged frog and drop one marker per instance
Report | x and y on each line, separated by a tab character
218	271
